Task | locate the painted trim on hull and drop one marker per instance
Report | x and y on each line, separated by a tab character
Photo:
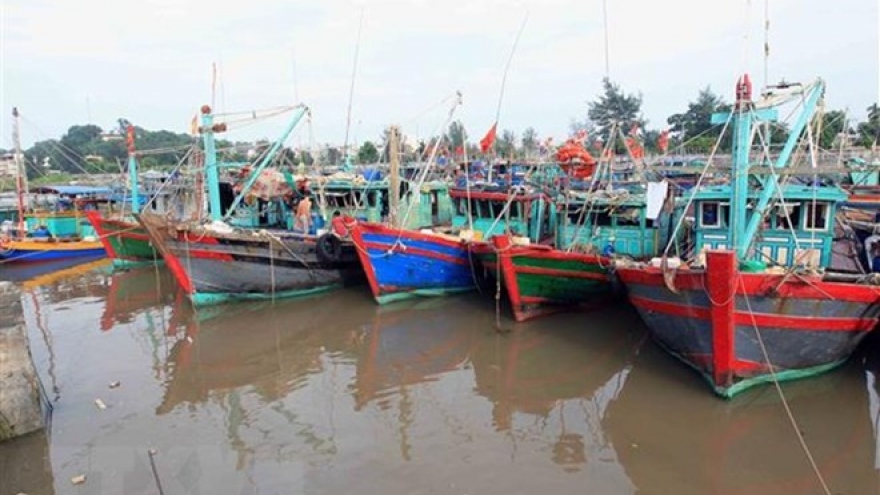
390	297
13	255
827	324
212	298
128	264
757	284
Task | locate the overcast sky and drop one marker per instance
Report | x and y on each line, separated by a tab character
66	62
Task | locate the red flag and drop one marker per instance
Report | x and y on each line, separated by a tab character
663	141
488	139
635	149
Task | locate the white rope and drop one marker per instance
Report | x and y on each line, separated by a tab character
794	424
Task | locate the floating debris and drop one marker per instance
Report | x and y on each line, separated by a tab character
114	384
100	404
78	480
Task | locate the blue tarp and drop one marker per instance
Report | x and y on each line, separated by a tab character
72	190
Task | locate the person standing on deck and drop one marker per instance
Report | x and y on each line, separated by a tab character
304	214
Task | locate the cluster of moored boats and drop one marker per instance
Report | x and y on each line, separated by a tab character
754	274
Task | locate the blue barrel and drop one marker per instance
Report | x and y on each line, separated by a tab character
372	174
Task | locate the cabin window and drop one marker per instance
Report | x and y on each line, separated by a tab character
628	216
601	219
710	214
816	217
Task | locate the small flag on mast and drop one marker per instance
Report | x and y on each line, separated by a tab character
489	139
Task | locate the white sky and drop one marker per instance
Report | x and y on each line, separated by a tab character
64	61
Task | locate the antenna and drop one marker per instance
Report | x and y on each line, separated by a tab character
357	49
213	84
295	82
766	44
605	24
506	70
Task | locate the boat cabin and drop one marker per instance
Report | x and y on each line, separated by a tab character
529	214
796	231
611	224
59	211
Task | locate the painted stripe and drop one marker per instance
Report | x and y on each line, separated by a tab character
382	248
556	272
759	285
762	320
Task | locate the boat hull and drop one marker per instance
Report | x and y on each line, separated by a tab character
540	280
126	242
39	251
401	264
743	329
215	267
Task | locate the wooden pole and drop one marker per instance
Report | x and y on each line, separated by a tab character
394	179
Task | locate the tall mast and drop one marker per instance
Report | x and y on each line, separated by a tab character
742	134
212	175
21	184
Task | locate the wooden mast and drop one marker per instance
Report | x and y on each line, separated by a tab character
21	184
394	176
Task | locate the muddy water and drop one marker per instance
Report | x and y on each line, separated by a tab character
333	394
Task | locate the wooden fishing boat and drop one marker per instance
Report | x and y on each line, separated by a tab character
726	312
127	243
57	232
257	254
573	268
401	263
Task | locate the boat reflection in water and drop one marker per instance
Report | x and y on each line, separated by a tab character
670	433
132	292
423	396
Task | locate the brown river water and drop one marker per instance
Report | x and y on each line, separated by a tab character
334	394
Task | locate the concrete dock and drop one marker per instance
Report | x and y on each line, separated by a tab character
20	397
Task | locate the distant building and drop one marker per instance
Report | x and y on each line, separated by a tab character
111	136
7	165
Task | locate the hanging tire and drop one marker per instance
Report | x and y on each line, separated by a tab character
328	247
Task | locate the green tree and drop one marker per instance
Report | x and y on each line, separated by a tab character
79	136
368	153
694	126
834	128
529	142
505	146
869	131
615	106
456	135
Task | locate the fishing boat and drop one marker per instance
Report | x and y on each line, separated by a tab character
407	257
248	251
755	299
573	269
126	242
56	232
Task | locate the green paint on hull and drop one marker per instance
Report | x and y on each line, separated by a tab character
125	264
747	383
132	249
419	293
559	288
211	298
564	290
